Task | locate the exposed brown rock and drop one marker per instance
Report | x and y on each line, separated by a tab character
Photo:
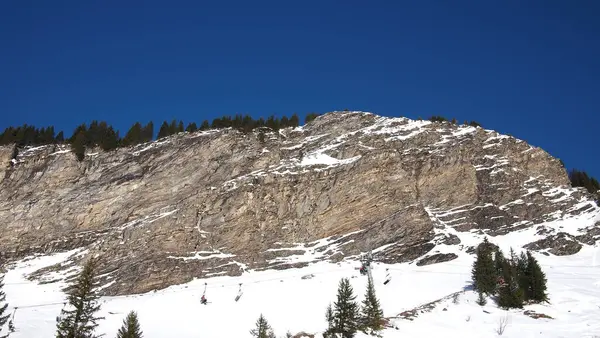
560	244
222	202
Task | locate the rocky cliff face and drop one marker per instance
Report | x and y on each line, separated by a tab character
223	202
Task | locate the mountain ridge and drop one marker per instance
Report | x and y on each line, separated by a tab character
221	202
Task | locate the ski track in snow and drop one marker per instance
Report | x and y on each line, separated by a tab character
295	304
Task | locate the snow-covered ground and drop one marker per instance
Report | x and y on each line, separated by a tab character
293	303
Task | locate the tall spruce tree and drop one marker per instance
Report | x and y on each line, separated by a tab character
80	321
536	286
510	294
499	261
164	130
205	125
484	270
345	311
371	313
133	136
4	315
78	145
263	329
131	327
521	273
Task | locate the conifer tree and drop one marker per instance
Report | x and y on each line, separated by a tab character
78	145
521	272
133	136
164	130
330	321
131	327
110	139
4	315
484	269
499	261
263	329
60	137
148	132
80	321
205	125
536	286
371	313
180	128
294	120
191	127
509	293
345	311
173	127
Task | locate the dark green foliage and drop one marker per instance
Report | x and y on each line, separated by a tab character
371	313
484	269
4	315
536	280
180	128
205	125
509	293
78	145
330	319
192	127
345	310
164	130
310	117
147	132
582	179
474	124
263	329
521	274
438	119
109	140
80	322
60	137
261	137
27	135
133	136
499	261
481	299
294	120
131	327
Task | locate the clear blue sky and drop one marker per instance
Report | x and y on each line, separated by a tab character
527	68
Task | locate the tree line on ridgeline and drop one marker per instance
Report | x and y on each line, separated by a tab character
101	134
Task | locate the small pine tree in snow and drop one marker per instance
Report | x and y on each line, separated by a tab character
131	327
4	316
371	313
345	312
536	286
263	329
80	322
330	321
484	270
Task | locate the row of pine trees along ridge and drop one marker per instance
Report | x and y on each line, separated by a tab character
101	134
512	281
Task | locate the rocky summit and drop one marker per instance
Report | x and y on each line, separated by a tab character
222	202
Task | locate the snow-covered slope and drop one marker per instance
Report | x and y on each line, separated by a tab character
294	300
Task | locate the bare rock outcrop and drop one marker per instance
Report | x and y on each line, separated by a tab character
223	202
